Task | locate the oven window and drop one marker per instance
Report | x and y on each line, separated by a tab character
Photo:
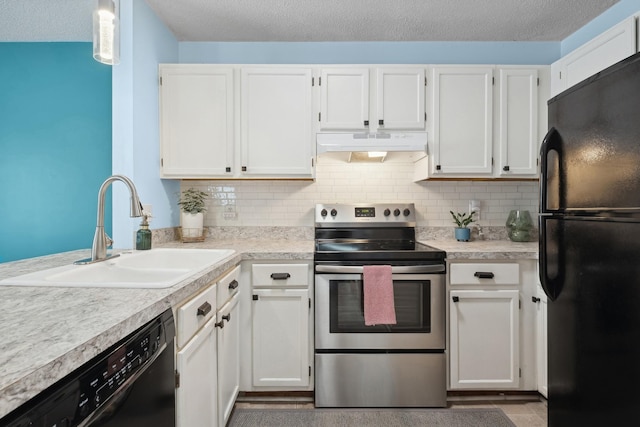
412	300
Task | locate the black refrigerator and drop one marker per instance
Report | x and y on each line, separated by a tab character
590	249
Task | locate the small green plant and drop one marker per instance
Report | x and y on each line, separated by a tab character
463	219
192	201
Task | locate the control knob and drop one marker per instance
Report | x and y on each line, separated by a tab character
334	212
396	212
387	212
406	212
323	212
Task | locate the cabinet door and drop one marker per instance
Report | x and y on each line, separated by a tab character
484	339
196	397
518	122
541	341
281	337
400	95
276	122
608	48
196	121
228	359
462	115
344	98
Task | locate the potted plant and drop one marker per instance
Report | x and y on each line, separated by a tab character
462	220
191	203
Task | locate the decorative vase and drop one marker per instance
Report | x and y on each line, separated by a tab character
462	234
519	226
192	225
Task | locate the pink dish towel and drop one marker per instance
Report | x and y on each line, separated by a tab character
379	308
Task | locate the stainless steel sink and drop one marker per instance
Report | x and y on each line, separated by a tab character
156	268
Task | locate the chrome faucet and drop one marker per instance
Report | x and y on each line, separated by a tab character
101	241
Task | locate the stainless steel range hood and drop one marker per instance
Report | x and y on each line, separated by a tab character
379	141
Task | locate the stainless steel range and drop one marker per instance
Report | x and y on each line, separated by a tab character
386	365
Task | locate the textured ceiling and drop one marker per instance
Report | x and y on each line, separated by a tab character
46	20
318	20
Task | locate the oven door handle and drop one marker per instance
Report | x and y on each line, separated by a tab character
402	269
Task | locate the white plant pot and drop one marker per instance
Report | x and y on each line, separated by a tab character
192	224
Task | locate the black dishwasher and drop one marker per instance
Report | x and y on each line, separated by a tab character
130	384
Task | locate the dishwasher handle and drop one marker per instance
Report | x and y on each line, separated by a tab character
400	269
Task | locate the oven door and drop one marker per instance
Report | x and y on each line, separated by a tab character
420	313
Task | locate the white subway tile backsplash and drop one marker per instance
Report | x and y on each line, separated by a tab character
291	203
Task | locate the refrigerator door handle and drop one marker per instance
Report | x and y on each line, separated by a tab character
552	286
551	142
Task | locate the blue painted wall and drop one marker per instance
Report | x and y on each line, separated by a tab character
55	146
516	53
145	43
600	24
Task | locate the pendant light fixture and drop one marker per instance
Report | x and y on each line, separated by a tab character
106	32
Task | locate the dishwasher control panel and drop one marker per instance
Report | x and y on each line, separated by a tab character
112	372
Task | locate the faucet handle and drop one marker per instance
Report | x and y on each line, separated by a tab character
109	240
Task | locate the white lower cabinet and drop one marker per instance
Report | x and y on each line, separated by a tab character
208	354
196	394
541	341
492	325
228	359
484	328
281	337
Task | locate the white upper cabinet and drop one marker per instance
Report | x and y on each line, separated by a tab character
400	95
344	98
601	52
394	100
196	121
462	120
276	122
517	122
485	126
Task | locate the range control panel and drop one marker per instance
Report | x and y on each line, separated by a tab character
365	215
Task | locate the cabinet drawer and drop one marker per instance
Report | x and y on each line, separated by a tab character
228	286
275	275
193	314
484	274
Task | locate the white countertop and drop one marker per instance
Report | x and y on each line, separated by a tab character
48	332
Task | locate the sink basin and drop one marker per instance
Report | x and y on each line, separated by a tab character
156	268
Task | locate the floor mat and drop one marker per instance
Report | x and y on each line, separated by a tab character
369	418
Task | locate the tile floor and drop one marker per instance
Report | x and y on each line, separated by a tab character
521	413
